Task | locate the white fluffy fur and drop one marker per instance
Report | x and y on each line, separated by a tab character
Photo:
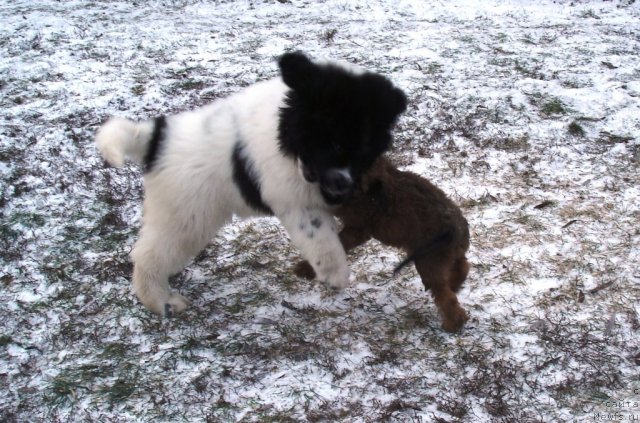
120	137
190	193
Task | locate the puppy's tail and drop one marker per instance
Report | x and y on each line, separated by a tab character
121	138
440	241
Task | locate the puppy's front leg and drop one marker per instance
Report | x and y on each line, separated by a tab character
314	233
350	238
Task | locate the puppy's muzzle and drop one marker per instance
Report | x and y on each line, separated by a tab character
337	182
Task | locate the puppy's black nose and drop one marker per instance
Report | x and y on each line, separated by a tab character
338	181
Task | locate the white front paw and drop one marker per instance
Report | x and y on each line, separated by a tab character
336	276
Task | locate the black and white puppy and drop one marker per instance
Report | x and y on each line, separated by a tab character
292	147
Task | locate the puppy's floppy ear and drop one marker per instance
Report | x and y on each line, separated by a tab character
296	69
389	100
397	101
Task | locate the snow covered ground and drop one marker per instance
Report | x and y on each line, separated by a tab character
526	113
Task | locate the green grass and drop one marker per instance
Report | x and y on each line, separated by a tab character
121	389
138	89
576	129
530	69
554	107
434	68
589	14
5	340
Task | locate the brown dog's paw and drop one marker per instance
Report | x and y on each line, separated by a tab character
454	320
304	270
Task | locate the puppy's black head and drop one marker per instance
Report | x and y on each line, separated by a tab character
336	121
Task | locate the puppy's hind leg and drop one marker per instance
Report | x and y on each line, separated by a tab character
167	242
438	273
150	282
459	273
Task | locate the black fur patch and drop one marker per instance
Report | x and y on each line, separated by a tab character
155	143
246	182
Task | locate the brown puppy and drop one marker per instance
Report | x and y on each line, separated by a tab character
404	210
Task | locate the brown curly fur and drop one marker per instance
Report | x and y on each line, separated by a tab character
404	210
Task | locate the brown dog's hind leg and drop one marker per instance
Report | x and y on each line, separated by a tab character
459	272
439	276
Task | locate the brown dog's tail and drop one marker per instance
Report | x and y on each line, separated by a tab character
445	238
